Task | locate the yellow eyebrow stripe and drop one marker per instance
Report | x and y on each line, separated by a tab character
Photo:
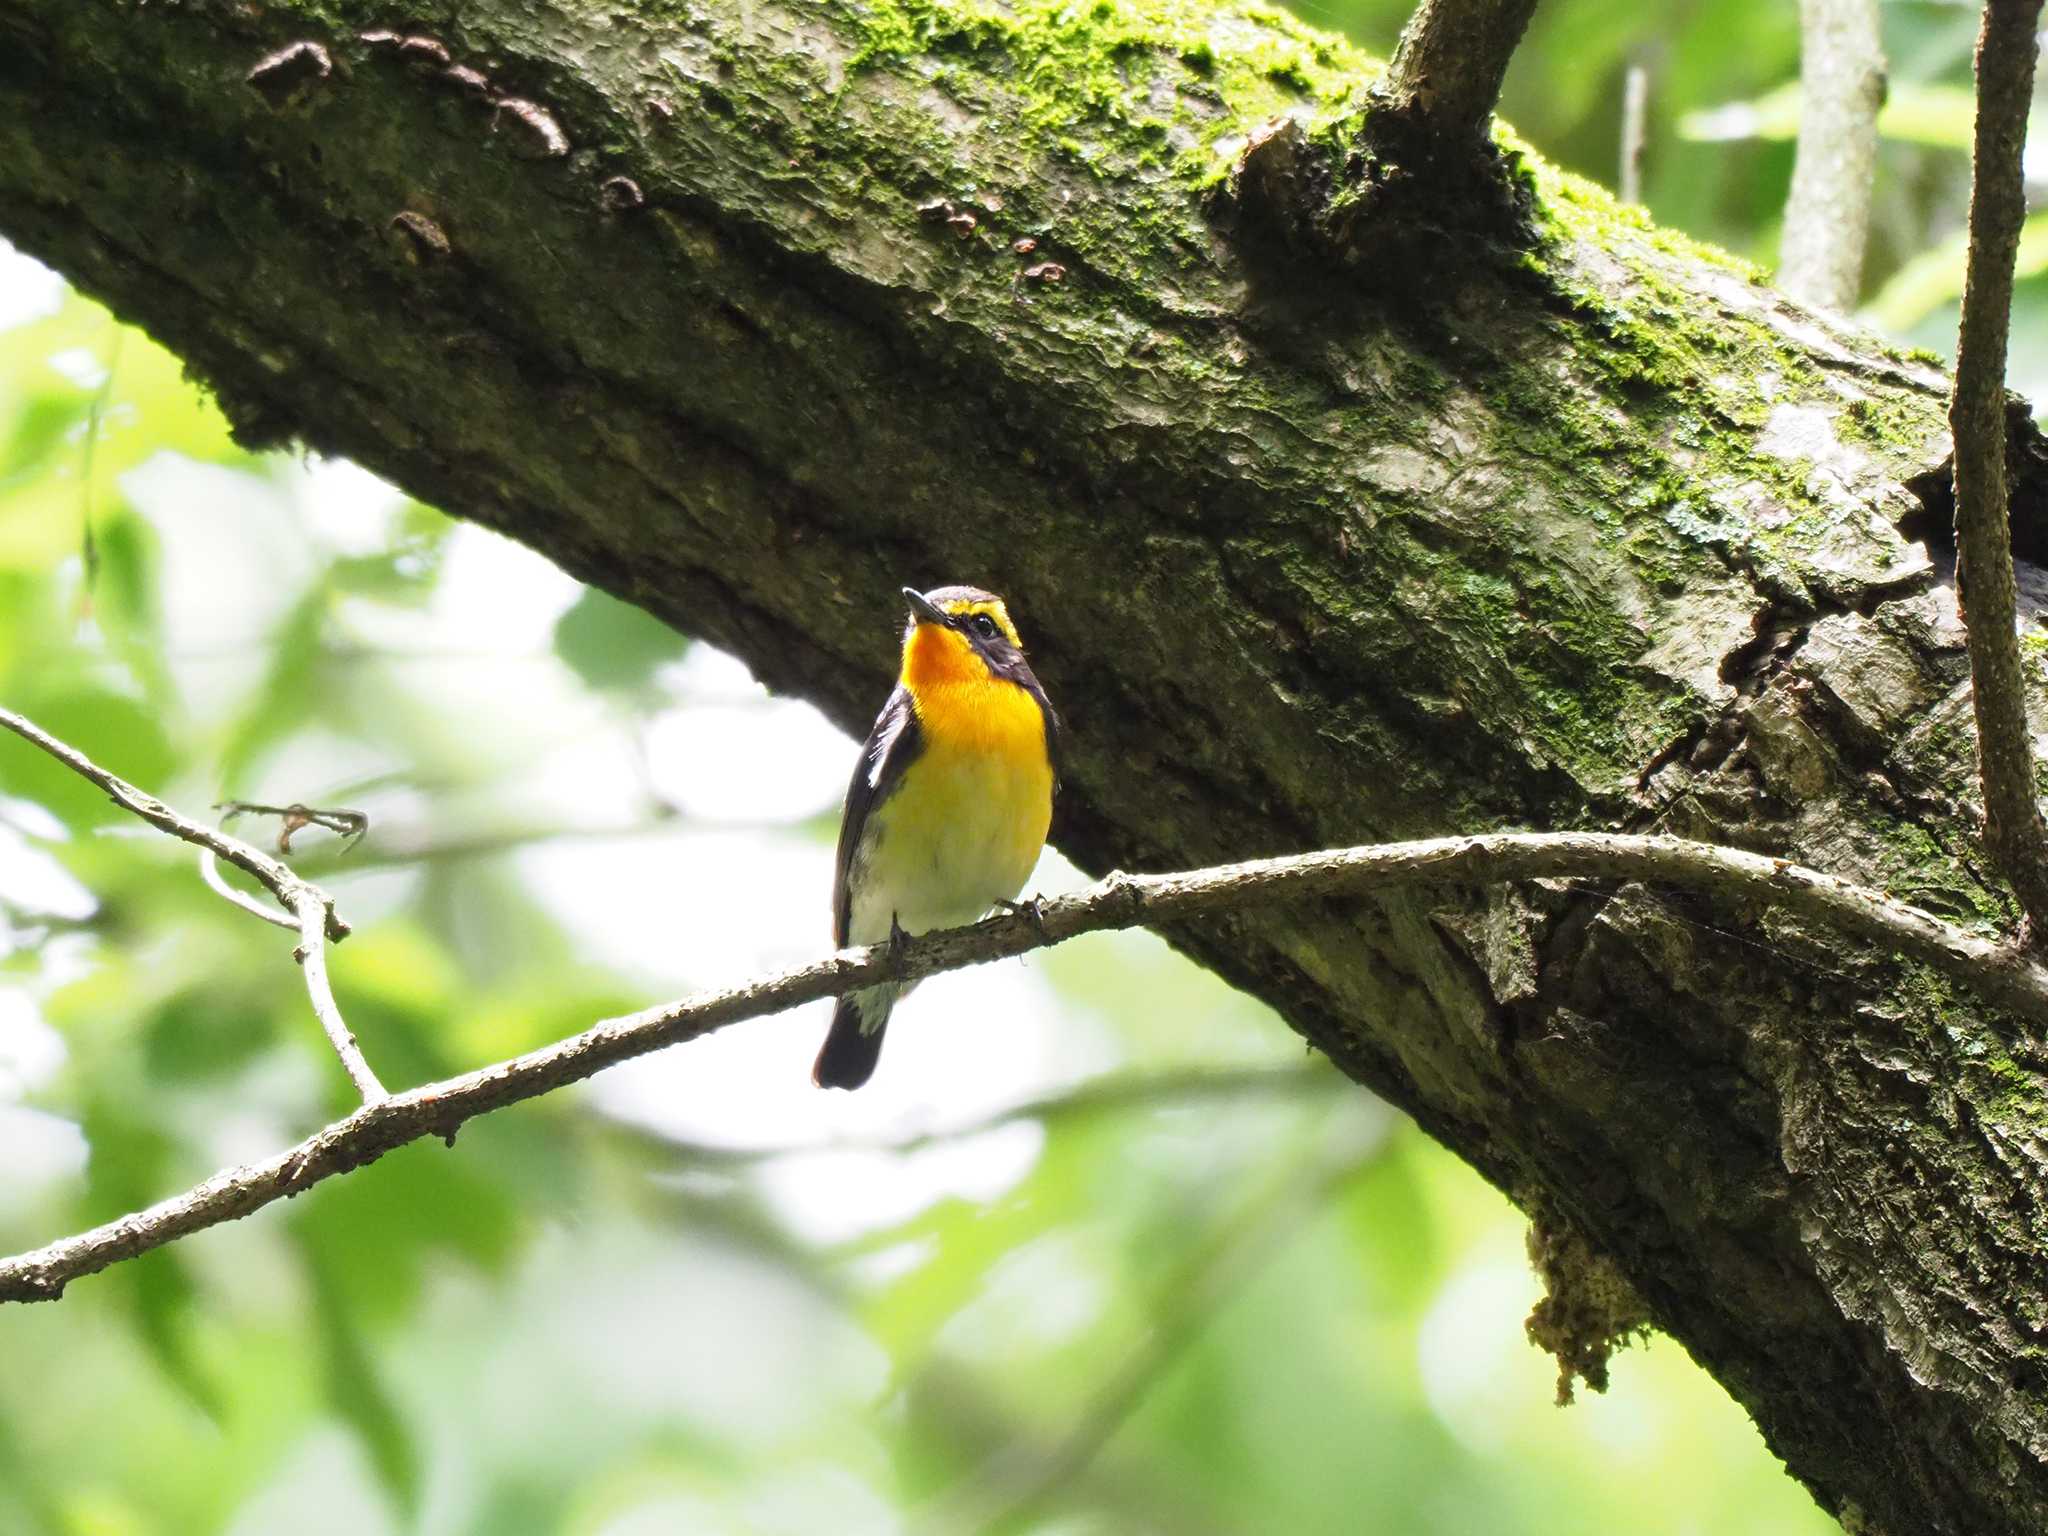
994	610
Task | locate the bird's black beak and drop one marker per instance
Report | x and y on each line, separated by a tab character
923	609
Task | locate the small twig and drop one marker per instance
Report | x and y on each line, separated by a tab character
1635	107
347	825
1998	974
311	954
309	911
1448	67
275	877
2014	833
209	871
1827	213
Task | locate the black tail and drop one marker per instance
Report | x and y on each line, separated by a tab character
854	1043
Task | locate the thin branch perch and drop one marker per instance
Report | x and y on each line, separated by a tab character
1977	412
1827	212
209	871
313	910
2001	976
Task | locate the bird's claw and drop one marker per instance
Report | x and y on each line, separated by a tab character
1030	909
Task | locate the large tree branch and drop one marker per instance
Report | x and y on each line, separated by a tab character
1312	555
1977	416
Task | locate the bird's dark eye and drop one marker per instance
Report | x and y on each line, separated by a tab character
983	626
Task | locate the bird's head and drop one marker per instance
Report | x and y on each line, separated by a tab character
959	635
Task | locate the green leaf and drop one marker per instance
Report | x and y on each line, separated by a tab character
128	567
165	1305
288	696
1935	277
1940	116
39	433
25	1498
1387	1215
131	1165
613	645
125	601
967	1240
377	1230
534	1504
207	1033
354	1388
407	570
116	731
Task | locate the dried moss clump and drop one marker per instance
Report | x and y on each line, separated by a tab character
1588	1310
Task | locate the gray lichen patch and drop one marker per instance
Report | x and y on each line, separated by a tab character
1847	543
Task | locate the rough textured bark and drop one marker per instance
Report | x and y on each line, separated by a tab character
1451	59
751	314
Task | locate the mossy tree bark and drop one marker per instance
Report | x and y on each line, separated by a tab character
1330	523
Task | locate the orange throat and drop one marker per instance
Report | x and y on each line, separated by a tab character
941	658
962	705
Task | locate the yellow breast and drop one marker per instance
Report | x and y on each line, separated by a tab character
986	716
981	731
963	829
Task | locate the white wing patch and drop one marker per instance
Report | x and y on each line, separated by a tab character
886	743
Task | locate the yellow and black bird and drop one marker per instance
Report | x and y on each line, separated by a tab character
949	803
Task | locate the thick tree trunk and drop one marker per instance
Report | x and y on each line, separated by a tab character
1327	525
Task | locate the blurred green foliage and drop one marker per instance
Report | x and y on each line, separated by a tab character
1194	1285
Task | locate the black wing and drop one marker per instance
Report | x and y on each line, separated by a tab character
1053	744
892	746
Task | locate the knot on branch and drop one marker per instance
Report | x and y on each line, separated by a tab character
622	194
1278	188
418	239
1383	191
1410	174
